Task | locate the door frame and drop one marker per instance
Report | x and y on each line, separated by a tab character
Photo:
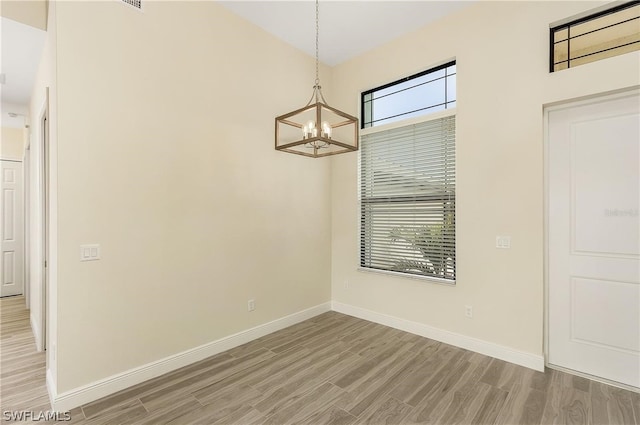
555	106
43	183
38	207
26	169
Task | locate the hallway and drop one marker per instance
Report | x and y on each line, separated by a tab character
22	368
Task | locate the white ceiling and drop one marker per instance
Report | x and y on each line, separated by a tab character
21	49
347	28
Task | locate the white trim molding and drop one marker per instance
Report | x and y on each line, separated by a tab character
531	361
51	388
104	387
35	328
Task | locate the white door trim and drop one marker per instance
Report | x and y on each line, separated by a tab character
571	103
44	211
26	168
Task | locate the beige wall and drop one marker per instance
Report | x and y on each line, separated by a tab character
503	82
29	12
12	143
165	158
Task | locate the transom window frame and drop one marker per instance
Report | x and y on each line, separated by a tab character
443	65
567	24
428	116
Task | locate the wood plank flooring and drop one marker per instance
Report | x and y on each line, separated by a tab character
332	369
22	368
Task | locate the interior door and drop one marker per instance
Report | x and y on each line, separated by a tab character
594	238
12	229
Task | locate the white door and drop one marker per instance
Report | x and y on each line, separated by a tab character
11	229
594	238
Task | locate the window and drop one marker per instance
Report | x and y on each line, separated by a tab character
407	199
134	3
429	91
598	36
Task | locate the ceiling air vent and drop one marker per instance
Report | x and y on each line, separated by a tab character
134	3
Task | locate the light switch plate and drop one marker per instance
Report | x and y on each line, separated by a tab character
503	242
90	252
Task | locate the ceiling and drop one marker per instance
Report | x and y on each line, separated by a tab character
21	50
347	28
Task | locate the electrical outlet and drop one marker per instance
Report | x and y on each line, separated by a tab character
251	305
346	284
468	311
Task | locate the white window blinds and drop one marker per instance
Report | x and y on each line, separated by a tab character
407	199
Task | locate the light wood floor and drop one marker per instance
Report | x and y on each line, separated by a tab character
22	368
333	369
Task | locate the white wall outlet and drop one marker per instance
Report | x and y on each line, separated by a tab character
346	284
89	252
251	304
503	242
468	311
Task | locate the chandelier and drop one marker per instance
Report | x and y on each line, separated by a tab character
317	129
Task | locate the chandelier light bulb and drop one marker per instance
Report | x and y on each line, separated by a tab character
326	130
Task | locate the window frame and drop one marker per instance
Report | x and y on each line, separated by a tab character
446	64
567	24
433	116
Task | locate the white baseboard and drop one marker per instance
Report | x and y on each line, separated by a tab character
37	335
104	387
490	349
96	390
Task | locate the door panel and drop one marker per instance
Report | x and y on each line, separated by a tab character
593	317
594	238
615	158
8	268
9	217
12	230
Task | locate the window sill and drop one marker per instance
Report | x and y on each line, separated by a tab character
430	279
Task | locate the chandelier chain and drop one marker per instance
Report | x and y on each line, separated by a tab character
317	43
317	89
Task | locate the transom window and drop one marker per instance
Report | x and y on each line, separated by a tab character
598	36
428	91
